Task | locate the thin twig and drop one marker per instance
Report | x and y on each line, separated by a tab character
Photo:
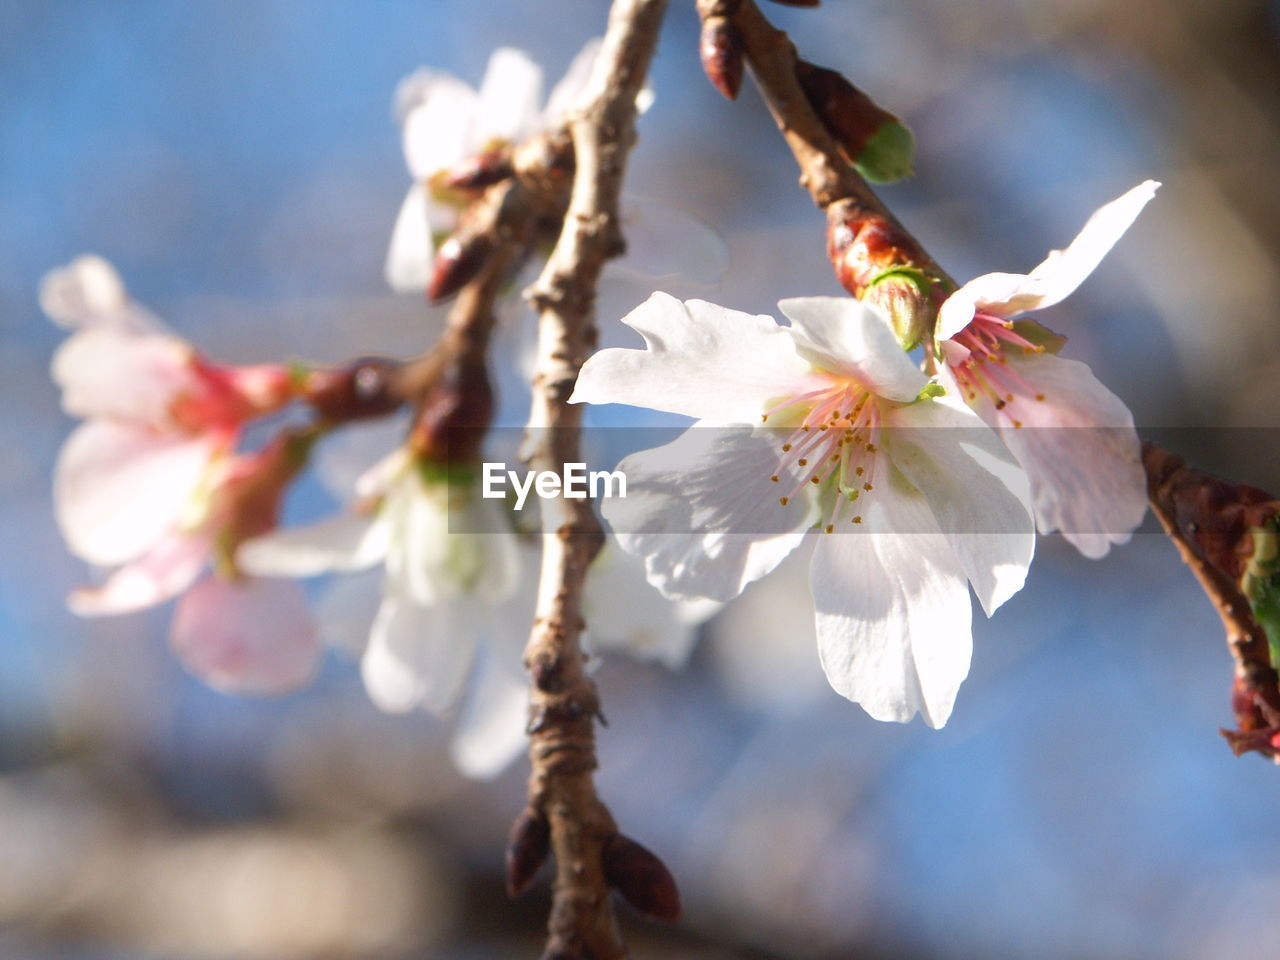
564	702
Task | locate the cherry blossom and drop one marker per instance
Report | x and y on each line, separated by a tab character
447	631
824	424
150	483
445	121
1073	436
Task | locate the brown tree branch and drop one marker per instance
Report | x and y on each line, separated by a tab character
563	804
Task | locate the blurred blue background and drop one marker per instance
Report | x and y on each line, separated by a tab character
239	162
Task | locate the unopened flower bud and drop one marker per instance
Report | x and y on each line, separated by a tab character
906	298
480	171
873	139
721	50
865	246
643	880
457	262
527	850
364	388
454	415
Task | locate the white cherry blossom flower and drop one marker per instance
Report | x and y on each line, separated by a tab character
835	429
1073	436
457	598
447	563
143	485
445	121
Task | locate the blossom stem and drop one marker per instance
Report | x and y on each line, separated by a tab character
564	704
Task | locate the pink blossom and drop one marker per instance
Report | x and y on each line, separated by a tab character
150	483
1073	436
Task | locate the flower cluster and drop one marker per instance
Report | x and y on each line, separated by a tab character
827	425
151	485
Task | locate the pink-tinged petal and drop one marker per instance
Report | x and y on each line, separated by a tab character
250	636
566	91
979	495
704	513
418	657
1080	450
700	360
439	130
344	543
892	610
665	241
106	373
1007	294
160	574
411	255
88	293
848	337
120	487
510	98
626	615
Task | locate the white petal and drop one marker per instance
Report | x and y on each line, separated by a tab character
161	573
411	255
1079	449
345	542
847	336
107	373
574	81
663	240
119	487
250	636
704	514
892	611
89	293
701	360
510	97
346	610
625	614
1006	294
979	495
491	725
440	130
424	84
418	656
447	543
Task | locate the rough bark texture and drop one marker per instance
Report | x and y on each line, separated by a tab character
564	704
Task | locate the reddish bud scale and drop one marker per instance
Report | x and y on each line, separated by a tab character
480	171
863	246
721	51
641	878
362	389
848	114
458	261
453	416
527	850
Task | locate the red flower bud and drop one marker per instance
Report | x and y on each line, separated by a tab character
362	389
479	171
458	261
871	137
527	849
643	880
721	50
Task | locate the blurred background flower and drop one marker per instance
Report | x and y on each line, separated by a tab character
240	163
